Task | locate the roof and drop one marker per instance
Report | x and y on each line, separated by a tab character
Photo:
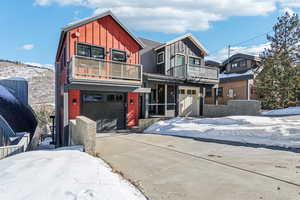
212	62
150	43
93	18
191	37
240	55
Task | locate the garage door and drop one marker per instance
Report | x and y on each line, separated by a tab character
189	101
107	109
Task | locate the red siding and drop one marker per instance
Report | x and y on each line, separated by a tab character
74	103
108	33
133	109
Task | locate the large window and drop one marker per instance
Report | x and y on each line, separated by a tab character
208	92
89	50
194	61
220	92
171	97
180	60
160	57
118	55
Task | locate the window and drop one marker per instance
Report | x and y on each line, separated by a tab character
182	91
193	92
160	57
220	92
234	65
118	55
89	50
110	97
171	97
194	61
119	97
180	60
92	97
243	63
189	91
208	92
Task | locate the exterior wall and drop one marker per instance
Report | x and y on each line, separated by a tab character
133	109
185	47
74	103
240	89
108	33
234	107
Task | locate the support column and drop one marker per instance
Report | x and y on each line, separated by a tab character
147	106
216	96
166	99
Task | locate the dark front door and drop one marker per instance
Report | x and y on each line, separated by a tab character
161	99
107	109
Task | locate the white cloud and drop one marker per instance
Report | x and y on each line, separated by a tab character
290	3
27	47
173	16
254	50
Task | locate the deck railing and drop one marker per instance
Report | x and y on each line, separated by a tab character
194	71
84	68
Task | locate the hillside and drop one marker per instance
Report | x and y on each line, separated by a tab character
40	79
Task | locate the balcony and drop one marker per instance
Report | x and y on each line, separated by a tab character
195	72
98	71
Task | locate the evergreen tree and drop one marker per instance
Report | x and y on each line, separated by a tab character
277	79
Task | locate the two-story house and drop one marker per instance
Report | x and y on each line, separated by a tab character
236	79
177	76
98	75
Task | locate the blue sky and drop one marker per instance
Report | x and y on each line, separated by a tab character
30	28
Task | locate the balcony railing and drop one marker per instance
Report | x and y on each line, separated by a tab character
190	71
91	69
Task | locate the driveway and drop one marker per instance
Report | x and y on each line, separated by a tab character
173	168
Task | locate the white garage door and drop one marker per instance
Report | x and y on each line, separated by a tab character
189	100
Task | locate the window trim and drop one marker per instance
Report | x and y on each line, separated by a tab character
219	91
206	91
163	61
180	54
91	45
114	49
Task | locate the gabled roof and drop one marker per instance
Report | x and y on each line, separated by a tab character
191	37
240	55
93	18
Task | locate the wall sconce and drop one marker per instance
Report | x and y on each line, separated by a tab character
131	101
74	101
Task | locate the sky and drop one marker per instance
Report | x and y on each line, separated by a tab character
30	29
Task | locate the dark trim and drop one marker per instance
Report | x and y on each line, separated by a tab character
237	78
99	88
92	45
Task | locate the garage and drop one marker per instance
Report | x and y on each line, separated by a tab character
107	109
189	101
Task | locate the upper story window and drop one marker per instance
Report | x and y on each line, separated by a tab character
208	92
234	65
194	61
180	60
118	55
89	50
160	57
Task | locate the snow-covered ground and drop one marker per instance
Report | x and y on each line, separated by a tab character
61	175
279	131
283	111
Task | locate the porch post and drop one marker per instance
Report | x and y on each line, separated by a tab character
146	106
166	99
216	96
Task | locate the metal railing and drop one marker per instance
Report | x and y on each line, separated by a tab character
194	71
85	68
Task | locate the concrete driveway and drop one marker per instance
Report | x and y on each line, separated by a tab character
172	168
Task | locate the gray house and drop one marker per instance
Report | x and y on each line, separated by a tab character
176	73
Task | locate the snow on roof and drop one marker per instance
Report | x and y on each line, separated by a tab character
62	175
249	72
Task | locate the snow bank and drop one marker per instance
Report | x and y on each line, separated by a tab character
283	111
61	175
280	131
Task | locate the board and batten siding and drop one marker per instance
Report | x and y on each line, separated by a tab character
184	46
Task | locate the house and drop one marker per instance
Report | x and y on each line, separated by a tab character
98	75
236	79
177	76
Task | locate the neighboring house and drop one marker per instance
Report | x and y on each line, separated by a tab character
98	75
177	76
236	79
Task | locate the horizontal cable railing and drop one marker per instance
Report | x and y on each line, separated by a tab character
97	69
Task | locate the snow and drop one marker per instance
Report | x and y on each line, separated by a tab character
279	131
283	111
249	72
62	175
